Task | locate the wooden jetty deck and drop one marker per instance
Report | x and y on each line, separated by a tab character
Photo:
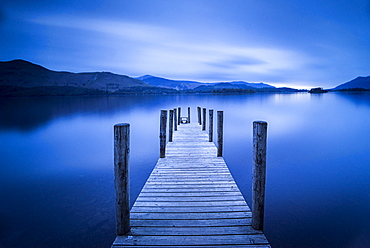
191	200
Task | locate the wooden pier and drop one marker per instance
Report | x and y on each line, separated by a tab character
191	200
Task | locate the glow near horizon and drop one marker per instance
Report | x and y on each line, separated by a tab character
187	46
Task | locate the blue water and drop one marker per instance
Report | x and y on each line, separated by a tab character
56	173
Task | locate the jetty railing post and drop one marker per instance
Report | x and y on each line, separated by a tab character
199	116
175	118
188	114
162	133
121	177
210	130
259	173
204	119
179	117
220	132
170	127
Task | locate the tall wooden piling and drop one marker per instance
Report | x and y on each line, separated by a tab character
170	127
121	177
204	119
162	133
188	114
179	116
175	118
210	129
199	116
220	132
259	174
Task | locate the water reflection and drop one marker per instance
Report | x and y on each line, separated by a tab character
57	160
359	98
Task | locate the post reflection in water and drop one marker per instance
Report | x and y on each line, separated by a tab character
56	173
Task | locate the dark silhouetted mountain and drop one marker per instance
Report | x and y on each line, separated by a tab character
23	74
241	88
22	78
253	85
189	85
171	84
357	83
219	86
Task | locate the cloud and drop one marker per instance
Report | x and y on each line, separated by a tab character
211	40
136	48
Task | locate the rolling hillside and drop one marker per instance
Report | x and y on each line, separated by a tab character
357	83
20	73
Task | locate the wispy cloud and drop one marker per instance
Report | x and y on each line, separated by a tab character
144	48
200	40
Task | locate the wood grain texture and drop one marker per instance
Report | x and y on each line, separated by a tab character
175	119
220	133
170	126
199	115
162	133
259	173
191	200
210	129
121	177
189	114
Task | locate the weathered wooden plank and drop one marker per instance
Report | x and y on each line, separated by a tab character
190	194
191	240
192	223
187	216
190	199
190	181
202	246
200	182
208	209
191	204
163	170
187	189
190	173
191	176
189	185
191	167
196	231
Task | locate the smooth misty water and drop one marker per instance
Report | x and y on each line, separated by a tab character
56	173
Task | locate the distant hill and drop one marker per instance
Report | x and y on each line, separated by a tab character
23	74
219	86
23	78
252	85
192	85
357	83
168	83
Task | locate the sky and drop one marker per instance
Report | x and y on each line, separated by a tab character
294	43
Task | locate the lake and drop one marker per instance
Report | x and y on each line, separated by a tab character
56	173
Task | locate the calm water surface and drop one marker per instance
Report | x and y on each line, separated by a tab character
56	172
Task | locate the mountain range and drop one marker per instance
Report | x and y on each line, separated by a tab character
23	78
25	74
194	85
359	83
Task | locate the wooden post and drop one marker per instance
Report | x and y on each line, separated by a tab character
175	118
162	134
188	114
199	116
210	130
170	127
259	173
121	177
179	117
204	119
220	132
